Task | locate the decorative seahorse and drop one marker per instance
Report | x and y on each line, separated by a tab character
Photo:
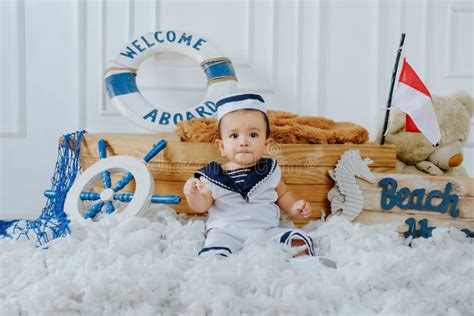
346	195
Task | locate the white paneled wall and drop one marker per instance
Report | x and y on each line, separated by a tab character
326	57
12	74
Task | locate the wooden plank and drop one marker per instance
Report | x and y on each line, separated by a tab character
290	174
316	208
460	186
317	175
329	155
299	191
160	170
315	194
138	145
309	193
372	218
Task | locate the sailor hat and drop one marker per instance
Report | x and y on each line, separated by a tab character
236	102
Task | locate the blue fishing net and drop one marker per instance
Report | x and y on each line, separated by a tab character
53	221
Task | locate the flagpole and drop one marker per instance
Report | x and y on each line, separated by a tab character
389	101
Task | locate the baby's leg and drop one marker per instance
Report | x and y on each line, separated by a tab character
294	238
220	242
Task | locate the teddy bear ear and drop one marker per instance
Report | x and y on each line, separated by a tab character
466	100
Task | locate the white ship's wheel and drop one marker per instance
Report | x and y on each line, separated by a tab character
80	192
83	203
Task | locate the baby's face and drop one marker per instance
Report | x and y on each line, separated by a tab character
243	136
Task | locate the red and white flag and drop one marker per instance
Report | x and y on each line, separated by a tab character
414	99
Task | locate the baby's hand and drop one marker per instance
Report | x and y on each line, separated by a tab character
192	186
301	209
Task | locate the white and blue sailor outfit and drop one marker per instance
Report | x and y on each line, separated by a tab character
244	203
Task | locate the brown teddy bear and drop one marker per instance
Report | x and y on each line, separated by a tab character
416	155
286	128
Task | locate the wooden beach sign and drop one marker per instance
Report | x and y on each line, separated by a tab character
415	204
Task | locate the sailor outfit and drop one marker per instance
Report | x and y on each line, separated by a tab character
244	204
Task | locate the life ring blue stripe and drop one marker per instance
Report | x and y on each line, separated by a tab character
119	84
218	69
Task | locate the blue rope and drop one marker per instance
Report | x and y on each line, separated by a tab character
53	221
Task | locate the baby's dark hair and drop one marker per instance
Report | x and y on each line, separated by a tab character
265	118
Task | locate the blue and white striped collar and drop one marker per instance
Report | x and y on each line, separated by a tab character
257	174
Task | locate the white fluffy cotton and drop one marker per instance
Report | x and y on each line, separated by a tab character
147	266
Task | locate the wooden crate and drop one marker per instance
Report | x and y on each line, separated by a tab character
304	167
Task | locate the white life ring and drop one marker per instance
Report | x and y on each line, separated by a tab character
122	89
